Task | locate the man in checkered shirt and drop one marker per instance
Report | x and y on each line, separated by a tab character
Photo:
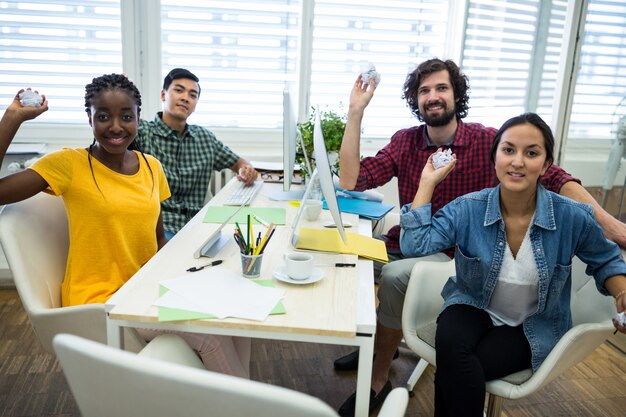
436	91
189	153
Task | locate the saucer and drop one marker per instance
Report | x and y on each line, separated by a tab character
281	275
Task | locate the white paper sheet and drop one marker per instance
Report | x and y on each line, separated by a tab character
220	292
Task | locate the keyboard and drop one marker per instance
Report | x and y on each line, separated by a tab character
243	194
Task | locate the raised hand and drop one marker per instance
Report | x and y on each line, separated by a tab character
361	93
435	176
429	180
23	113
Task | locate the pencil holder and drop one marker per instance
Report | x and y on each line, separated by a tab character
251	265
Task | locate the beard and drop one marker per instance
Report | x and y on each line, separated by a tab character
442	119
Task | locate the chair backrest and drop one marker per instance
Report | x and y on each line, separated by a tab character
109	382
35	240
587	304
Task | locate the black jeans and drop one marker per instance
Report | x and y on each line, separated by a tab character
470	351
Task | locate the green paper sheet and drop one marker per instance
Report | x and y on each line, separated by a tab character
174	314
219	214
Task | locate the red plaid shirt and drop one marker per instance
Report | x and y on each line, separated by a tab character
407	152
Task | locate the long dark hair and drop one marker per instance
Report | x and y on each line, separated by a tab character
110	82
459	81
526	118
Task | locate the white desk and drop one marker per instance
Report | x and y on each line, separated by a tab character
339	309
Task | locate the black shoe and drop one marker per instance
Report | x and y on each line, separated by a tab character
376	400
350	362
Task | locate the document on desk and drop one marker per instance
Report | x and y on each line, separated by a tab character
177	314
219	292
325	240
219	214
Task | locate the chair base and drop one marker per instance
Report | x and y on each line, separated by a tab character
415	376
494	405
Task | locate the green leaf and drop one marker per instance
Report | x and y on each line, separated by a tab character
333	127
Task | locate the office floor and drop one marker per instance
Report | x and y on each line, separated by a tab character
32	383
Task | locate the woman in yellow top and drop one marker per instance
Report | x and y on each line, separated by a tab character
112	197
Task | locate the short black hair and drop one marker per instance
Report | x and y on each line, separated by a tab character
178	73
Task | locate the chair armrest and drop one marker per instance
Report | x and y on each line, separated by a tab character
395	404
85	320
423	301
573	347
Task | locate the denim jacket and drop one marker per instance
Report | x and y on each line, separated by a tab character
561	229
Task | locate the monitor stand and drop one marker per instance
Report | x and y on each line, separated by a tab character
280	195
331	224
213	247
296	220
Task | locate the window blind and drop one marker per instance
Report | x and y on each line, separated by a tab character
601	81
498	53
394	36
244	52
57	47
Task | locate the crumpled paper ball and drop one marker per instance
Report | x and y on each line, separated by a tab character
369	74
30	98
442	158
620	318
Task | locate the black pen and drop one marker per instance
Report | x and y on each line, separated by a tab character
200	268
340	265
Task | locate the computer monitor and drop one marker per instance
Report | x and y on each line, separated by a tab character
322	173
290	133
326	176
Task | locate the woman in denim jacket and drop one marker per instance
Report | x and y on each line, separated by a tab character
509	303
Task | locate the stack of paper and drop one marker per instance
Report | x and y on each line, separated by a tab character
325	240
219	292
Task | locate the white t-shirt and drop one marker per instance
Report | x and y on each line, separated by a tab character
515	296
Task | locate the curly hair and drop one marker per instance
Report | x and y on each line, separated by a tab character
459	81
109	82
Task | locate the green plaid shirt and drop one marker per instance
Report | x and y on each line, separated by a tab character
188	161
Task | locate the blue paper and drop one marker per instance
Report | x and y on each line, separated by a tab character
364	208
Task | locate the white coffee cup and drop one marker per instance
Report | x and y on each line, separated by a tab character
312	209
298	265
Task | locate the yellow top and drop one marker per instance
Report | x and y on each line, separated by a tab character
112	220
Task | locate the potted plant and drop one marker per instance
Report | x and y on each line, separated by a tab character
333	126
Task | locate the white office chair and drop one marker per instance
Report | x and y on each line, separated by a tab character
35	240
591	314
109	382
